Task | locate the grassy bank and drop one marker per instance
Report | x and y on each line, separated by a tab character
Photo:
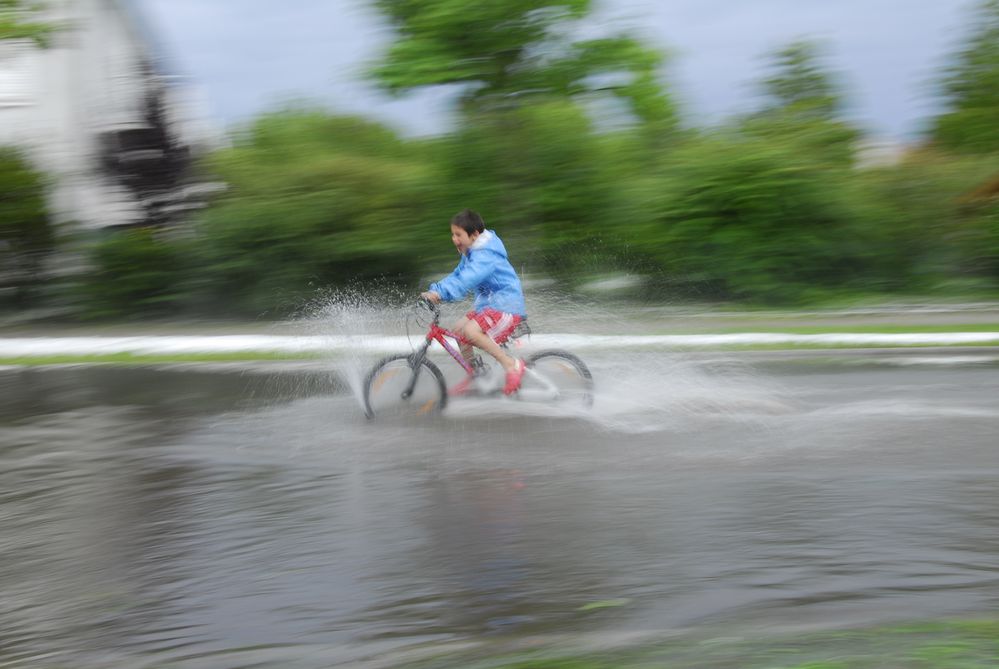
149	359
805	348
859	329
799	324
958	644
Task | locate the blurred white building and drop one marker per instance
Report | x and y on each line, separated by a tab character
100	112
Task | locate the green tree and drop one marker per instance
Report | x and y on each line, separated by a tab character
138	272
803	105
751	219
970	88
541	174
314	200
979	241
18	20
526	151
800	85
26	234
924	214
504	52
975	220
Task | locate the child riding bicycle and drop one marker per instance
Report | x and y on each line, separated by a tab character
499	300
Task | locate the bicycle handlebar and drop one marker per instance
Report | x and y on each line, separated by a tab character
431	307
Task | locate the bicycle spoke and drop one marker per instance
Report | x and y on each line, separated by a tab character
394	387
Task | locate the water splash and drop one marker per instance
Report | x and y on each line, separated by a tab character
348	319
637	389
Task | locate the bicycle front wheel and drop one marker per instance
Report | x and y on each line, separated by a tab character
396	387
557	376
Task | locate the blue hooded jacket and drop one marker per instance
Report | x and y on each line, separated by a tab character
486	270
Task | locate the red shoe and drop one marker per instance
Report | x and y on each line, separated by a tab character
514	377
463	387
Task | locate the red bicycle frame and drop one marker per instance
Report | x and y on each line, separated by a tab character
440	335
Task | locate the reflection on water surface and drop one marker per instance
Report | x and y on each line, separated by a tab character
219	519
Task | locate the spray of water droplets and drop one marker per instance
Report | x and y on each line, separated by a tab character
637	390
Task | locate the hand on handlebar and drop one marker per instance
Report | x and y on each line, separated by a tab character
431	296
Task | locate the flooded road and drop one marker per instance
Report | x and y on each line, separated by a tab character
193	517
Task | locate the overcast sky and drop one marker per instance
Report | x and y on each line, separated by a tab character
248	55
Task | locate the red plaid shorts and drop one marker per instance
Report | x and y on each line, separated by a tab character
497	324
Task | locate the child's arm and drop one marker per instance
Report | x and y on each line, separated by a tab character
466	277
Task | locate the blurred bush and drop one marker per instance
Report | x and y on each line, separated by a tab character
746	218
970	88
540	174
314	200
26	231
138	272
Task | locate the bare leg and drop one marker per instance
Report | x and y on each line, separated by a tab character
473	332
466	349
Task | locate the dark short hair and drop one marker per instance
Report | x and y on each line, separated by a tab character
469	221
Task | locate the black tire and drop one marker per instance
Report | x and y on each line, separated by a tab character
385	383
574	379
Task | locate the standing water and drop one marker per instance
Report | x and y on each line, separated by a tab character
199	517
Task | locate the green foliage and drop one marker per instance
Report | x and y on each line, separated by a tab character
800	85
803	106
831	141
540	173
137	272
26	234
503	53
970	87
920	210
979	241
126	358
17	22
570	148
314	200
483	46
929	645
751	219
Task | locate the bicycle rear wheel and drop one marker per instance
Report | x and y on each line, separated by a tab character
557	376
386	385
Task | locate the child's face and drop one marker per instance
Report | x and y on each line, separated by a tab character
462	240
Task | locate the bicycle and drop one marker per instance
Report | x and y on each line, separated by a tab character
413	384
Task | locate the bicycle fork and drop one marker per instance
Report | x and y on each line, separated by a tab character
416	364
